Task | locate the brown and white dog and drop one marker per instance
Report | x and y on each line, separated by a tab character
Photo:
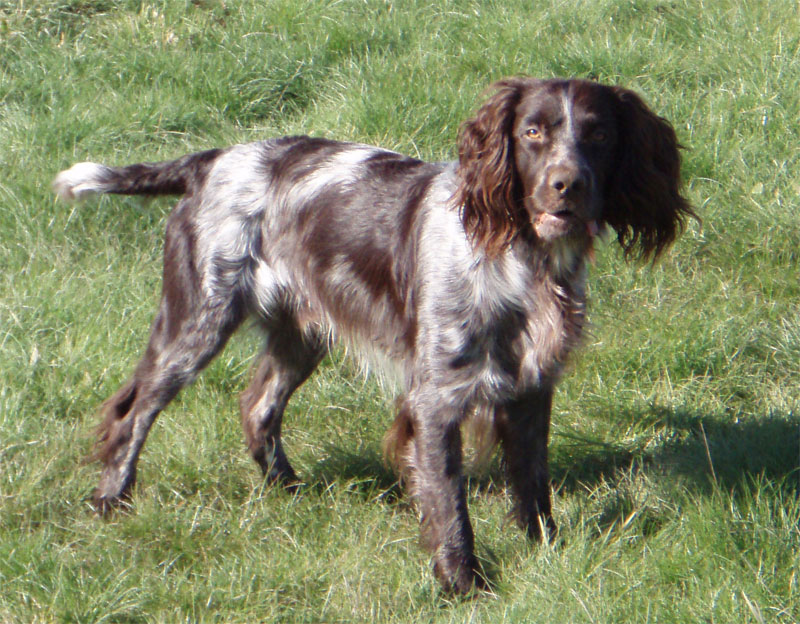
467	276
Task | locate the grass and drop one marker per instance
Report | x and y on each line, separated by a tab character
675	446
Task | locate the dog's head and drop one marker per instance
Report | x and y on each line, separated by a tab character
560	159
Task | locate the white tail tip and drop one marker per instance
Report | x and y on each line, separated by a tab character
80	180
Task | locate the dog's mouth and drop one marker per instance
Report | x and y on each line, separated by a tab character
552	225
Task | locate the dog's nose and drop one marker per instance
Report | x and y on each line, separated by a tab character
566	180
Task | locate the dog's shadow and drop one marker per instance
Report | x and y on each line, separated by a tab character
362	471
704	452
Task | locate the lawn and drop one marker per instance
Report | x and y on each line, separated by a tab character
675	446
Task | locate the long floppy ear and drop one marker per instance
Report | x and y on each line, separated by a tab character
489	195
643	202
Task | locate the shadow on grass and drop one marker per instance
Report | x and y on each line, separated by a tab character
365	472
725	452
703	451
361	471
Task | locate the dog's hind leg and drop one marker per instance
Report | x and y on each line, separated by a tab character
190	328
288	358
399	449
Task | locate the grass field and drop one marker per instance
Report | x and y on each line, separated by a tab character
675	445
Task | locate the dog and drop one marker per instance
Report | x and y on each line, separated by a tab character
467	278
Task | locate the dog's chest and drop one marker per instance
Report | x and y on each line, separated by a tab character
553	328
512	331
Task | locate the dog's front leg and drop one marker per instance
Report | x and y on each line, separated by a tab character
523	425
438	486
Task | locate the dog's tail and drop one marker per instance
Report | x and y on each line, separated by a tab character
174	177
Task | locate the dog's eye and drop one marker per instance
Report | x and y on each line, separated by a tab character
599	136
533	133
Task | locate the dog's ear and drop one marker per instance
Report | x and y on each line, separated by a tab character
489	195
643	202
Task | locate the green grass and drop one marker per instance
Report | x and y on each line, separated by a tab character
675	445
